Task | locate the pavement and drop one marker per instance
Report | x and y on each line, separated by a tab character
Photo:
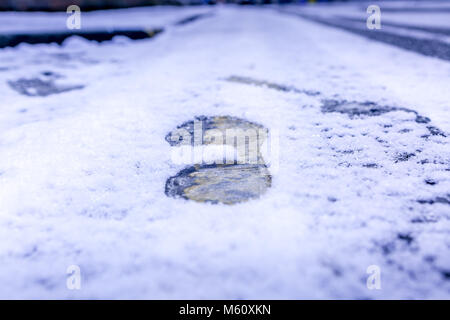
361	179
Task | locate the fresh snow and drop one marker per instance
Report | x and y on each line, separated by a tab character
82	172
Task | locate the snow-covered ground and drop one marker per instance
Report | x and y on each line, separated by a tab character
363	176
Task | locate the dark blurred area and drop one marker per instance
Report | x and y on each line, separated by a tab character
59	5
87	5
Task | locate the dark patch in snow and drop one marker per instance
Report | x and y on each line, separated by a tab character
367	108
427	161
431	182
405	156
51	75
37	87
353	109
347	151
388	248
175	185
429	259
47	73
357	109
423	220
406	237
443	200
344	164
192	18
446	274
435	131
228	184
403	242
422	119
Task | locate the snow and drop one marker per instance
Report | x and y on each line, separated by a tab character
82	172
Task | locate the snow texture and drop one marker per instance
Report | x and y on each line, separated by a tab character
363	176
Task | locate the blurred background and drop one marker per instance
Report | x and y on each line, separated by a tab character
58	5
